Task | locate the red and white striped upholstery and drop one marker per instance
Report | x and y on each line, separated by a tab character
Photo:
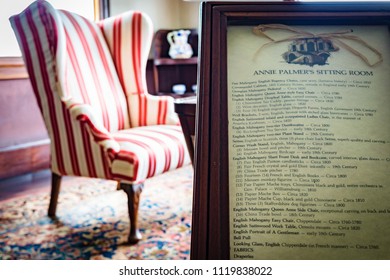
89	81
125	36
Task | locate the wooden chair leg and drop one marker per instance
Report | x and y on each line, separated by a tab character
55	190
133	192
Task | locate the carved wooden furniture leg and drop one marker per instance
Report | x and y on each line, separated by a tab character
55	190
133	195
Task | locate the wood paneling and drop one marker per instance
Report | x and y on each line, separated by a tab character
24	142
32	156
20	119
12	68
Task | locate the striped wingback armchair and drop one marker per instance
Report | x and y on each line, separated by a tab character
90	84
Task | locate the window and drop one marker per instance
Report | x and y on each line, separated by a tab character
9	46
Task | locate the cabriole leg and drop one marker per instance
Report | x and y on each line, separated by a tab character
55	190
133	195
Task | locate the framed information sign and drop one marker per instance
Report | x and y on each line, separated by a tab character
293	131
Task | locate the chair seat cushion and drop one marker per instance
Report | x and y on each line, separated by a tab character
148	151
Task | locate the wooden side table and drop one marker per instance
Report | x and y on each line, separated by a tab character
186	110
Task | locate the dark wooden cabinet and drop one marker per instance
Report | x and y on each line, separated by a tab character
168	71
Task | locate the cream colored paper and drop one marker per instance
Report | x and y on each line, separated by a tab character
309	149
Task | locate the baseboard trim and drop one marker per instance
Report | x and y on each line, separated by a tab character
20	159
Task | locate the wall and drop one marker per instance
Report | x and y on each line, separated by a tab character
165	14
189	12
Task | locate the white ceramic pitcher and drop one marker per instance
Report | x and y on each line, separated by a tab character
179	46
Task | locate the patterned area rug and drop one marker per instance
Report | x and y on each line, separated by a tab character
92	221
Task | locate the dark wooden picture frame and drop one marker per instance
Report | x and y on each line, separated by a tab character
210	227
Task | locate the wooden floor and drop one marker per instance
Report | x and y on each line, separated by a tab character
25	184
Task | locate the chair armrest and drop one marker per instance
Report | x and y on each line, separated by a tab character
150	109
85	114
